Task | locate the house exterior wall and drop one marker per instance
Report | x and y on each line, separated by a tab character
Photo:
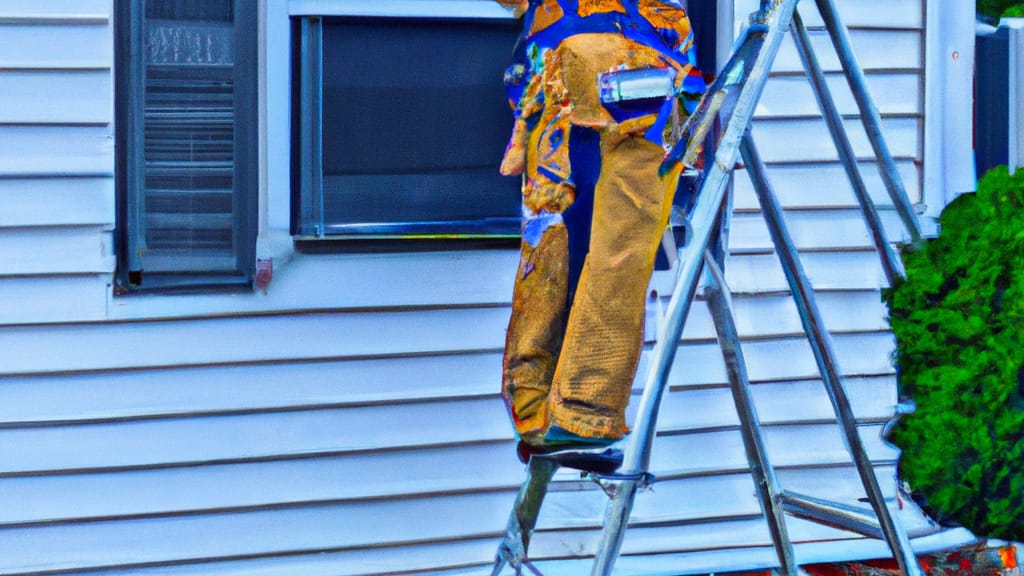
347	420
56	159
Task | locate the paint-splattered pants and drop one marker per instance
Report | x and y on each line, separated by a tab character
572	364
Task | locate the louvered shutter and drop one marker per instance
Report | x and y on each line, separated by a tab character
185	198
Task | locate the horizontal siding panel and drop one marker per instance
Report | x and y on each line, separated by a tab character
295	433
755	273
824	545
324	336
871	397
149	492
65	250
56	97
719	561
815	543
875	50
712	539
145	443
777	402
894	93
44	18
865	13
460	557
197	440
824	185
808	140
56	202
438	470
203	439
707	561
814	230
858	354
97	396
788	446
843	486
752	532
29	45
265	339
258	532
471	556
679	500
56	150
433	556
29	8
357	281
133	394
42	299
353	525
766	315
772	315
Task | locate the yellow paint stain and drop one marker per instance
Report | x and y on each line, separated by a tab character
589	7
546	14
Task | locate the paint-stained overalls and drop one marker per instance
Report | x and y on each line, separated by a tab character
594	207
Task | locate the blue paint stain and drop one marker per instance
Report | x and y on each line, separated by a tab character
534	227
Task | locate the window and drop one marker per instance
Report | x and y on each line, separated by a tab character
401	124
187	142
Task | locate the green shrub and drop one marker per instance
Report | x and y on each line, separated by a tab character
959	324
1014	11
996	8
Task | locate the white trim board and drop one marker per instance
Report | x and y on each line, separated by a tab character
400	8
948	104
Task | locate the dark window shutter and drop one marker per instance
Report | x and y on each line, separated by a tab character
187	209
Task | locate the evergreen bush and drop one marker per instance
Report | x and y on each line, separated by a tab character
997	8
959	324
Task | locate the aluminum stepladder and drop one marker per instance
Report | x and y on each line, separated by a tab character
731	101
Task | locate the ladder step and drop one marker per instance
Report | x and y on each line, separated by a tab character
857	519
598	461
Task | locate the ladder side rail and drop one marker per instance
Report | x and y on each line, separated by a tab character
703	217
891	264
824	354
523	518
870	117
633	476
768	491
778	14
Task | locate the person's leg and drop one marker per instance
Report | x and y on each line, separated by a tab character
536	327
603	338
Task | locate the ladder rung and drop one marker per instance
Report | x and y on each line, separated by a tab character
835	514
605	461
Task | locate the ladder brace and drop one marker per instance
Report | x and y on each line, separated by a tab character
835	514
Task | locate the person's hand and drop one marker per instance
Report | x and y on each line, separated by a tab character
515	153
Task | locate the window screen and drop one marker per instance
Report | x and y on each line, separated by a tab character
403	123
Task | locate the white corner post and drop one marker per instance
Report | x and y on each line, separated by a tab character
1015	110
948	107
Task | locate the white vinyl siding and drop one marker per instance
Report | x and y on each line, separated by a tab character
347	422
56	159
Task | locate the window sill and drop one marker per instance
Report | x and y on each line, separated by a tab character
338	281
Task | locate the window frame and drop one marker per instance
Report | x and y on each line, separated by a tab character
307	104
308	226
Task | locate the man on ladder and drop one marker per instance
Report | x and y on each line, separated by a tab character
596	86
